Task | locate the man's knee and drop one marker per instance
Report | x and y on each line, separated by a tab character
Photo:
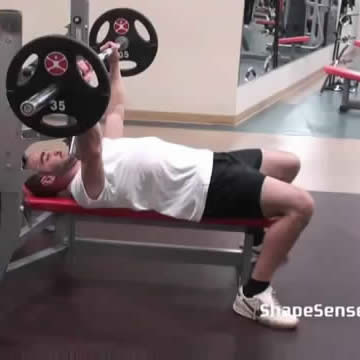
283	166
303	206
292	165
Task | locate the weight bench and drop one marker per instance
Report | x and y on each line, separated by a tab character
293	42
348	75
288	42
67	212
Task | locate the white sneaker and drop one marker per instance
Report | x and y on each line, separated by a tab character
265	309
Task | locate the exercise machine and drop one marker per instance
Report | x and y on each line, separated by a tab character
348	76
308	18
341	46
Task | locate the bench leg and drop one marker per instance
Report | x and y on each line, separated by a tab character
346	94
65	235
64	229
243	274
10	225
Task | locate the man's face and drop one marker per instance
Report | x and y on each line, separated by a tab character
56	162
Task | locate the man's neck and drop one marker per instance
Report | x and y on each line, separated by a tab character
68	177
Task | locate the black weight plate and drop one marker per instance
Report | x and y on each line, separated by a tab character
57	64
122	24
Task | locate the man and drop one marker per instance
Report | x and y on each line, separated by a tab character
150	174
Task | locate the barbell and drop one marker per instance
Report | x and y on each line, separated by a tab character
32	106
53	83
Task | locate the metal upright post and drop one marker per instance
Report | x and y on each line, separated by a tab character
11	176
276	34
79	25
78	30
12	146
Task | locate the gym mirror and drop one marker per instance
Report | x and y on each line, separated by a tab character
276	32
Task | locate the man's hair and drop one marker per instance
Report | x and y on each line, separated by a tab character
35	185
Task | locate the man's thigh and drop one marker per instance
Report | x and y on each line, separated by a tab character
280	165
235	187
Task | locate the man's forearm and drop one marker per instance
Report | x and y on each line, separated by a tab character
89	143
117	99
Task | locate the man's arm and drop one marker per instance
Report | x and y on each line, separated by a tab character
89	151
113	124
89	144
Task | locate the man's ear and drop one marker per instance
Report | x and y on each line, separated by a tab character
47	180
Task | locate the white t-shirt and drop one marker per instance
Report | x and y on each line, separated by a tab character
151	174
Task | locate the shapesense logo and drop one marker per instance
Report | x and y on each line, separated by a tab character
316	311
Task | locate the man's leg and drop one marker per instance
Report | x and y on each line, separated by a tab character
293	208
280	165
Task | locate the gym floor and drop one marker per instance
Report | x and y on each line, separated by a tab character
104	306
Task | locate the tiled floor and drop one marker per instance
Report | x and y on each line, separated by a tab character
104	306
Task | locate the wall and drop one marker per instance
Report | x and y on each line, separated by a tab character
199	44
40	17
197	63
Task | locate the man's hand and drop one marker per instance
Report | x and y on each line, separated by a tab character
115	56
86	70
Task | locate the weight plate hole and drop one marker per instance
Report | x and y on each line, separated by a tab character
58	120
28	69
86	72
142	31
103	32
128	65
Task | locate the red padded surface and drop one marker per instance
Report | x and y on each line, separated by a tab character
265	22
294	40
342	72
69	206
357	43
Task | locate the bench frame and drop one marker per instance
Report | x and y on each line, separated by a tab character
67	241
348	77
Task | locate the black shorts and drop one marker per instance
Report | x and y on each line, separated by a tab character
235	186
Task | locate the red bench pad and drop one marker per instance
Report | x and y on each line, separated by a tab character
69	206
342	72
294	40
